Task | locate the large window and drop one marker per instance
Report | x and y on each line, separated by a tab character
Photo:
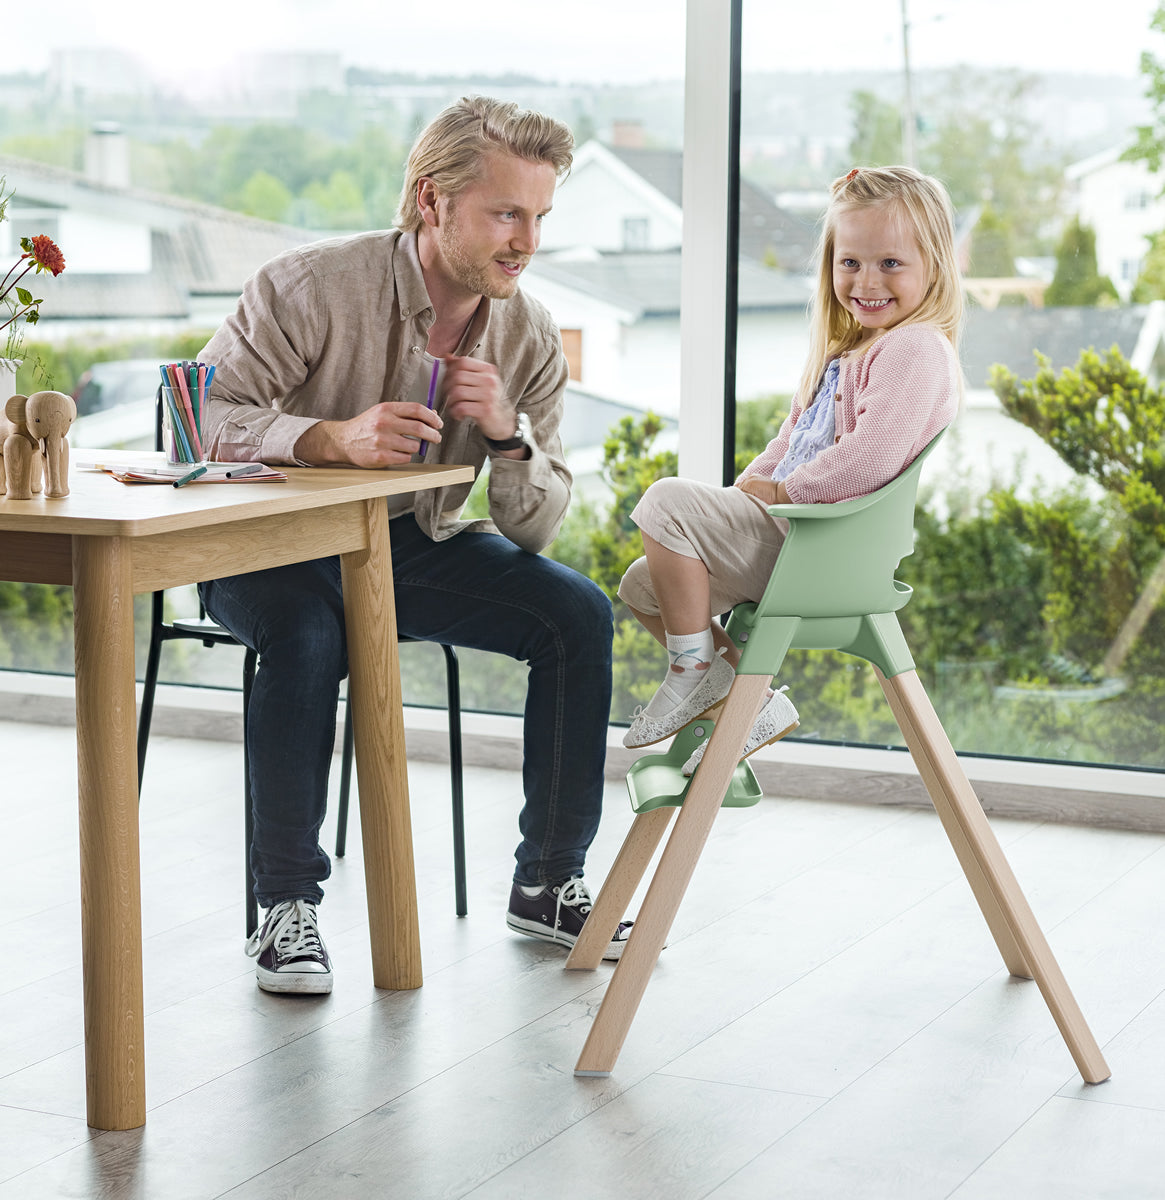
1039	561
1037	619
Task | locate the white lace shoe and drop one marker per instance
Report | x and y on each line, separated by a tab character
646	730
777	718
292	956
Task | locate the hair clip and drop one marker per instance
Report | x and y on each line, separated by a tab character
851	174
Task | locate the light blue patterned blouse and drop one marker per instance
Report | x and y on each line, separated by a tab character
814	430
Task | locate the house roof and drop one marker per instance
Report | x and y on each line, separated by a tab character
648	283
196	249
1009	335
764	227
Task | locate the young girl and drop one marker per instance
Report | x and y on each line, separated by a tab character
882	379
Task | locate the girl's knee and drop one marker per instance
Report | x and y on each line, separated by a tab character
636	589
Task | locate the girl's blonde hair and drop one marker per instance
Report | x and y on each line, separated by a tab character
922	203
451	148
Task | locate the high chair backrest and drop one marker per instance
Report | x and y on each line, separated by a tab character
833	585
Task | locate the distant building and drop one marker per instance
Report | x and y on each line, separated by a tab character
629	199
620	317
137	262
1122	202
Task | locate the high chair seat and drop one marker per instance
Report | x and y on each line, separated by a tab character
833	587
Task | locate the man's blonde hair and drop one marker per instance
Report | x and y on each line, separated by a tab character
924	206
450	150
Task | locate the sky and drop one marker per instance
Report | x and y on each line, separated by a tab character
608	41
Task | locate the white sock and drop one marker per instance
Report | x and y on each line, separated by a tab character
690	656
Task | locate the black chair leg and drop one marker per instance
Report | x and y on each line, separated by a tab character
345	782
453	688
252	905
149	686
456	780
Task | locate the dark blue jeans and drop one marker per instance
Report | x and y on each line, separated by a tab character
475	589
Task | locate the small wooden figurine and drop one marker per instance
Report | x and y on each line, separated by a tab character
22	459
48	416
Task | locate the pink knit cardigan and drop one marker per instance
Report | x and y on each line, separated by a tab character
891	401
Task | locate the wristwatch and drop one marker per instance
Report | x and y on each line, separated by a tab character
521	436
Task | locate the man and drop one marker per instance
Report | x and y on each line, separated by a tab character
370	351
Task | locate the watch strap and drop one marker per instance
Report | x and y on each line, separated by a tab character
510	443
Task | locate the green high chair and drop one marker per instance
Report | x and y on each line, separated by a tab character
833	587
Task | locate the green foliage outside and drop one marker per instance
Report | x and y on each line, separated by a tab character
973	133
1150	283
1025	594
36	620
1077	280
317	174
1149	145
60	367
992	247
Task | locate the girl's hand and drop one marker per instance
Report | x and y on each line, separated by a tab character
765	490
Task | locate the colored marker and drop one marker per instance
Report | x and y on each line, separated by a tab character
191	477
253	469
432	397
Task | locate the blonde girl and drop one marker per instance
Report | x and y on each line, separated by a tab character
881	380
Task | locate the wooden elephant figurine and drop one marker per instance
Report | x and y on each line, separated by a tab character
21	474
49	415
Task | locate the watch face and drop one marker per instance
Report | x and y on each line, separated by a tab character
524	429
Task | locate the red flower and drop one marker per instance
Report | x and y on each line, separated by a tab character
47	254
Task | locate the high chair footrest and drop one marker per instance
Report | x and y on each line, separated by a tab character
655	781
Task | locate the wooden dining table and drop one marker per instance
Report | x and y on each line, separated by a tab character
109	540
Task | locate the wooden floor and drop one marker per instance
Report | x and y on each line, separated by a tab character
830	1019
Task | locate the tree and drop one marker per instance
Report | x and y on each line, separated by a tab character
993	246
976	136
877	131
265	197
1149	143
1107	423
1078	280
1150	283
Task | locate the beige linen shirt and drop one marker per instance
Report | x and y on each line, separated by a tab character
325	331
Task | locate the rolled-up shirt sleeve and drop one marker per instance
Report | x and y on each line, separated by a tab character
261	354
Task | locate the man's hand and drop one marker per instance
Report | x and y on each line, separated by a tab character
382	436
473	392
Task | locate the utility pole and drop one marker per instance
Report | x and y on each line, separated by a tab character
908	124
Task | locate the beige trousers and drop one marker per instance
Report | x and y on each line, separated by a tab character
728	530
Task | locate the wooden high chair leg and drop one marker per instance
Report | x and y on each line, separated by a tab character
622	880
1018	935
672	875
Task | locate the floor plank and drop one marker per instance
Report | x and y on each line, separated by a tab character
831	1017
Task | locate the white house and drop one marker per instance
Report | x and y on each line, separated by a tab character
620	317
137	263
1122	202
627	198
609	270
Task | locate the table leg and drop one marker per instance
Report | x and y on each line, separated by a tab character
111	908
381	767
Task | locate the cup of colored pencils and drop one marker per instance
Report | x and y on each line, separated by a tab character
185	392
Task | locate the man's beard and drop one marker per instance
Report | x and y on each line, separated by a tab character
475	276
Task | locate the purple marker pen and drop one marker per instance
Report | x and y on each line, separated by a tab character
429	402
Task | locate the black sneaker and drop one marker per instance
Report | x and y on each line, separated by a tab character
557	914
292	955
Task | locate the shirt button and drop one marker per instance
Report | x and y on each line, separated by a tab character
414	349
